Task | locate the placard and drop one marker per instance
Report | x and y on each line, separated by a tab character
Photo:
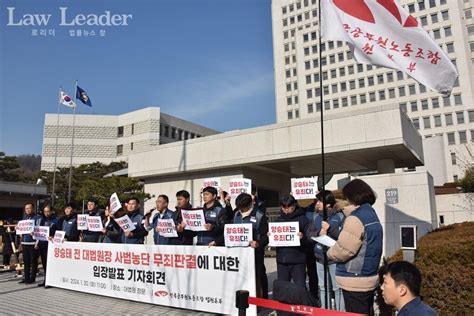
239	185
115	203
284	234
125	223
304	188
41	233
195	278
25	226
94	223
238	235
212	182
59	236
194	219
82	221
167	228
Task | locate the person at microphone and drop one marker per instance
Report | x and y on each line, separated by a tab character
163	213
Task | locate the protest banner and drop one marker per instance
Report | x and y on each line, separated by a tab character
194	219
58	238
212	182
238	235
82	221
115	203
304	188
168	275
125	223
94	223
25	226
167	228
284	234
41	233
239	185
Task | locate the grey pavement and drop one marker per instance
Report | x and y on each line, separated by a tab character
21	299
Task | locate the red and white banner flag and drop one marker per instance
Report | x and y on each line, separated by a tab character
382	33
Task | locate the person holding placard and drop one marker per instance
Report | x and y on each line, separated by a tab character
358	249
30	254
164	213
215	217
49	220
185	237
291	261
136	236
92	210
247	213
68	223
111	231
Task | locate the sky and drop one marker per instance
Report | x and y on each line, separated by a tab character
207	61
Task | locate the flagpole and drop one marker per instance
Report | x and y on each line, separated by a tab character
56	149
323	171
72	145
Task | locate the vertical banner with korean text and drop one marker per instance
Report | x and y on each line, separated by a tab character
175	276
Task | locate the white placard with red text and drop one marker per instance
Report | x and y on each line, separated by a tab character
94	223
166	227
41	233
239	185
59	236
212	182
115	204
125	223
174	276
238	235
194	219
25	226
284	234
304	188
82	221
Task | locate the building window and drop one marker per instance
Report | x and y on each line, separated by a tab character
460	117
424	20
131	146
426	123
457	99
344	101
390	77
441	220
310	108
401	91
360	68
446	101
186	135
289	101
437	120
167	131
372	97
119	150
350	69
435	102
391	93
412	89
445	15
343	86
133	129
399	75
335	103
462	137
416	123
448	118
436	34
370	81
455	178
354	100
382	95
472	135
362	98
421	5
422	88
453	158
424	104
309	93
403	107
451	140
450	48
470	114
290	115
120	131
447	31
327	106
361	83
468	14
414	106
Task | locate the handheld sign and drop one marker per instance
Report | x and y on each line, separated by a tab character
166	228
82	221
238	235
194	219
212	182
25	227
239	185
41	233
94	223
304	188
125	223
115	204
59	237
284	234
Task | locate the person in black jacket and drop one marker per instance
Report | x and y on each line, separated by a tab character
247	213
50	220
68	223
215	217
111	231
136	236
185	237
92	210
291	261
8	238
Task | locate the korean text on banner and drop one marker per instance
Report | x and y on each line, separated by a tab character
25	227
125	223
284	234
238	235
304	188
82	221
94	223
115	204
194	219
41	233
239	185
168	275
167	228
212	182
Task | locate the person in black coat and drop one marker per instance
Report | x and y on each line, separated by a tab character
291	261
48	219
68	223
8	238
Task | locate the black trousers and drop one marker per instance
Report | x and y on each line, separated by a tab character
295	272
6	259
43	252
261	275
312	274
359	302
30	260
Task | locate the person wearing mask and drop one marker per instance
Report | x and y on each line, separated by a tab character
92	210
136	236
68	223
111	230
163	213
30	254
247	213
49	220
291	261
358	249
215	218
401	289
